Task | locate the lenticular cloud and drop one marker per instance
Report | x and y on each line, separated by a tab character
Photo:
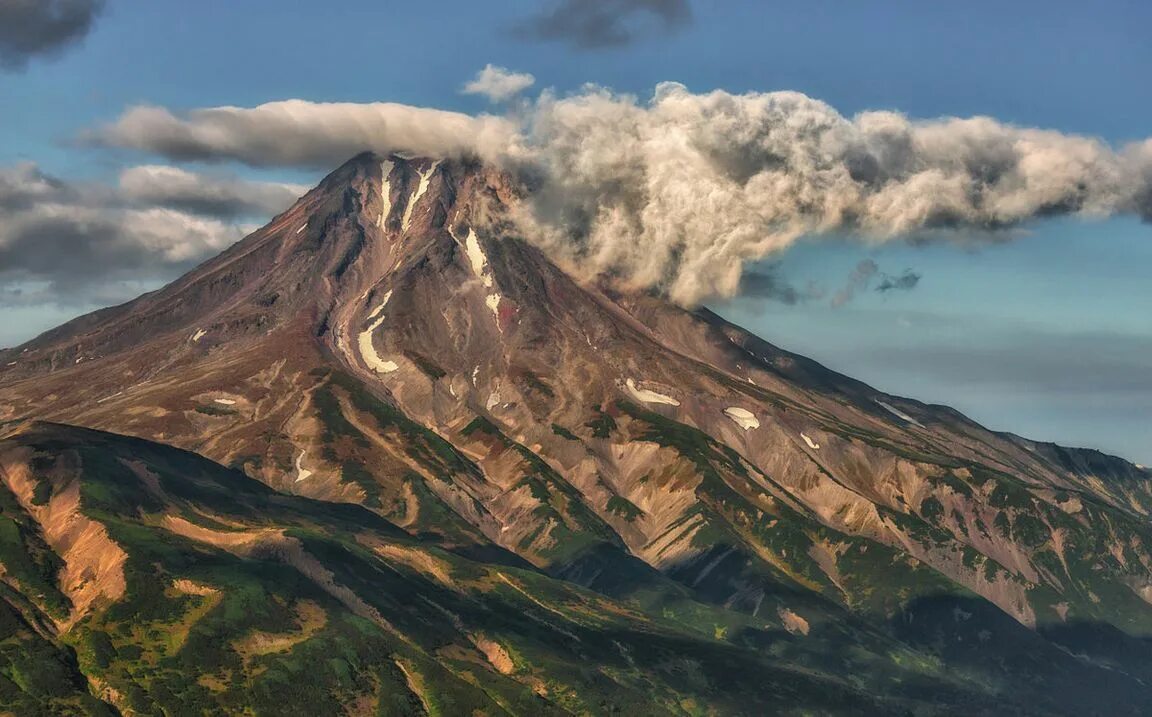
681	191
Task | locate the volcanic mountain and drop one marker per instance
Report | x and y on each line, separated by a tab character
384	457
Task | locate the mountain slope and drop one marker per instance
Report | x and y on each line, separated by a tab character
200	588
389	341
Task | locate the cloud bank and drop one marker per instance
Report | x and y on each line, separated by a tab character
31	28
221	197
599	24
72	243
681	191
298	133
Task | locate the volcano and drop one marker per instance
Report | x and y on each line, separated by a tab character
384	456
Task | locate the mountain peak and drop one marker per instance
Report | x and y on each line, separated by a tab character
401	193
389	341
368	218
370	158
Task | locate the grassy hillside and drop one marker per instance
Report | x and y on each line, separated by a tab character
233	598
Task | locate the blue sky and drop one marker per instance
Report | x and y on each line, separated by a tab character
1048	335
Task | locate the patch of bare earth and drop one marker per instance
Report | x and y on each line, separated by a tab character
496	655
189	587
272	543
793	623
93	563
234	541
415	683
310	619
418	560
211	598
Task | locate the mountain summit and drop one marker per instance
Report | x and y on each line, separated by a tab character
390	342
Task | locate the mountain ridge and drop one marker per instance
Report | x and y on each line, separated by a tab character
391	341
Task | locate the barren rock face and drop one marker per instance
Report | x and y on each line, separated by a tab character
391	341
93	564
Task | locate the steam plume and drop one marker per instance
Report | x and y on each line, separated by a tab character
682	191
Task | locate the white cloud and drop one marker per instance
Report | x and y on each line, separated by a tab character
305	134
683	190
169	186
498	83
77	241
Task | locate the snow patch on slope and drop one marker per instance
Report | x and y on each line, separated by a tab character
480	268
743	417
493	302
900	414
425	178
385	192
811	443
479	263
302	473
379	309
477	258
643	394
200	333
367	350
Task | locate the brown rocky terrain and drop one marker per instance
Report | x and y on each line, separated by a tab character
391	342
